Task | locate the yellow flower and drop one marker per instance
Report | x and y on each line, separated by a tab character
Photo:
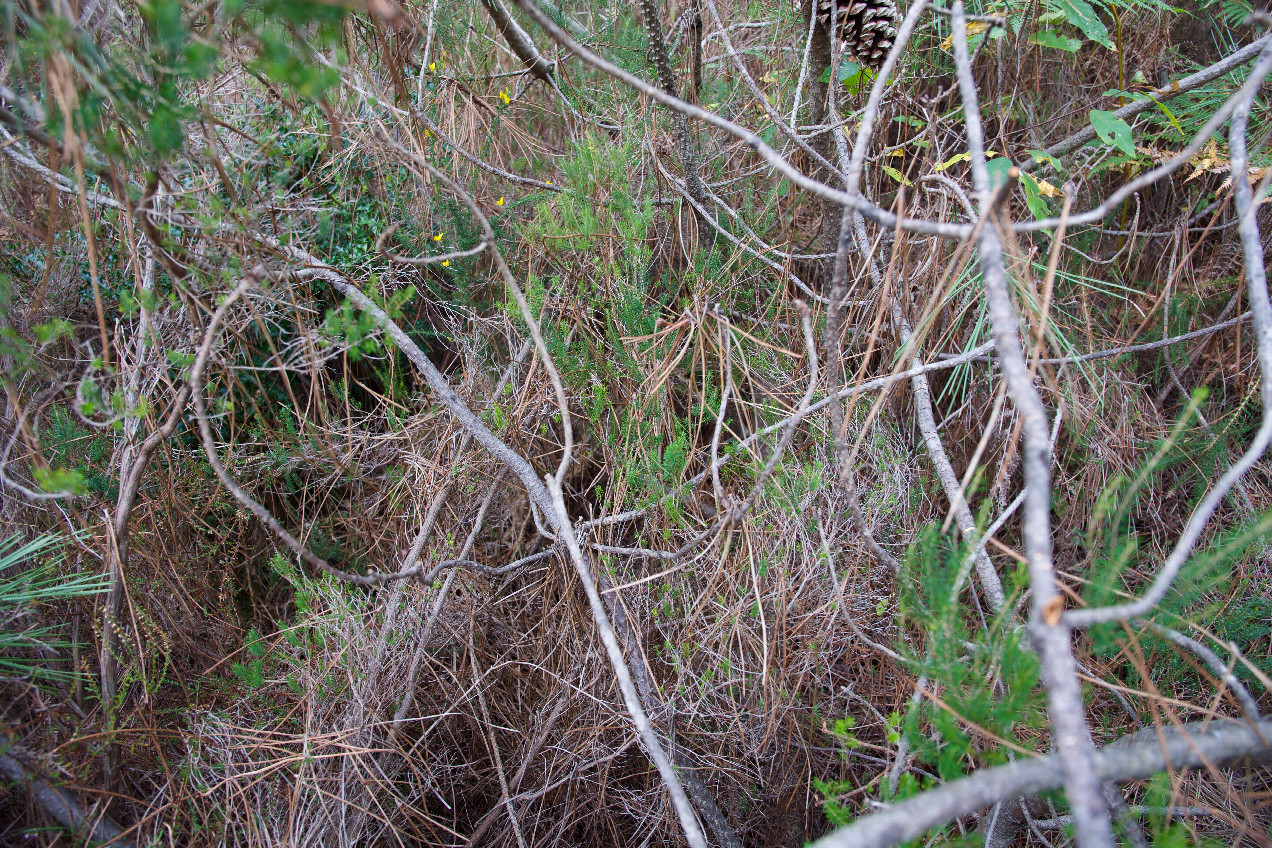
445	263
438	237
503	95
432	66
499	202
549	182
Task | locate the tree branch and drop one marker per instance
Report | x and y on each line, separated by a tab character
1134	757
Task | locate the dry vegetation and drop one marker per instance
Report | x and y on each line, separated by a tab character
295	295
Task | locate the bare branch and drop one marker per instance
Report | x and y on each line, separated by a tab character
693	833
1130	110
60	804
753	141
518	40
1051	639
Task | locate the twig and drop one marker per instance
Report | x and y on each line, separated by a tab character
753	141
488	237
1220	117
667	80
1130	110
1107	353
1217	666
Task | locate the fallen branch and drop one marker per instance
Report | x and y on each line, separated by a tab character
61	805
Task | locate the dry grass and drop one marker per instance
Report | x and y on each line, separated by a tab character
397	715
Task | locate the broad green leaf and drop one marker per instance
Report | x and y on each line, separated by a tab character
1081	14
855	77
1113	131
847	70
1033	197
998	169
1053	39
1041	156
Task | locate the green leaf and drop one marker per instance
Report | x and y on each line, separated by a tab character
1113	131
1041	156
998	168
61	481
896	175
847	70
953	160
1081	14
166	133
854	76
1033	197
1053	39
52	331
1170	117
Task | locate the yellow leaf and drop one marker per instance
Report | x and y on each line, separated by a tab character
953	160
962	157
973	28
1046	189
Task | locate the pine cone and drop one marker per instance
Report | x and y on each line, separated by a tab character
866	27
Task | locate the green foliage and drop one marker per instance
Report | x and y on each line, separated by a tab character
1195	457
856	78
252	672
30	579
355	328
77	458
987	676
143	85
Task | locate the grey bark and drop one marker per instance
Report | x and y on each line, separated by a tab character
1134	757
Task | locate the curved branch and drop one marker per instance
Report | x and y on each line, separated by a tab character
1261	311
1130	110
